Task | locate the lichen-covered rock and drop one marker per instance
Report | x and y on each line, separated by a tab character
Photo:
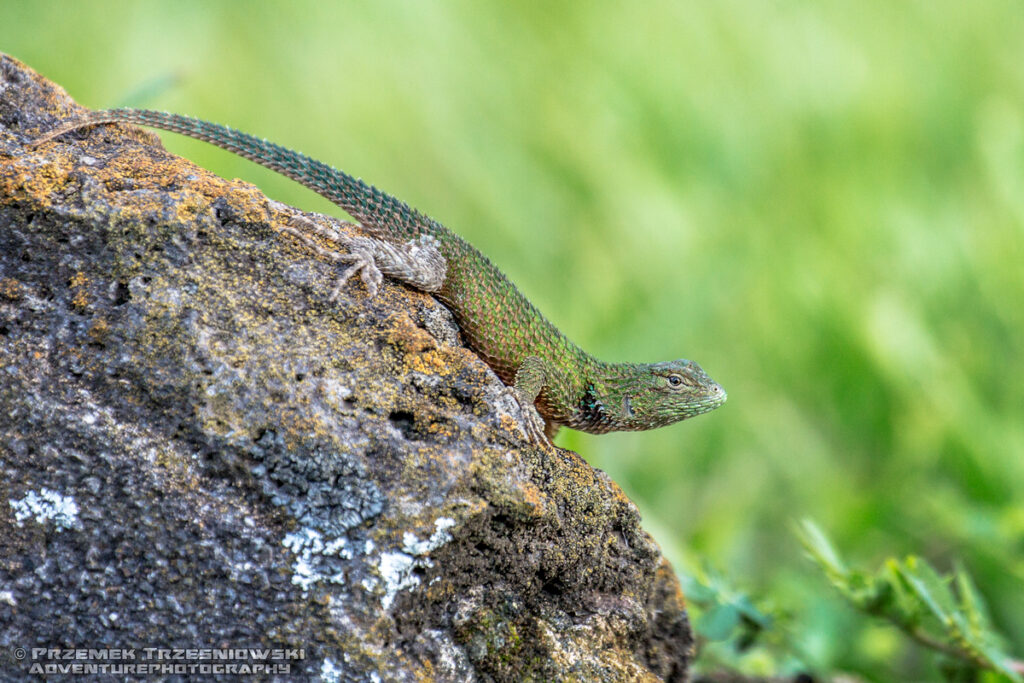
200	450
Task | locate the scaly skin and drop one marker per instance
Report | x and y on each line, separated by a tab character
568	386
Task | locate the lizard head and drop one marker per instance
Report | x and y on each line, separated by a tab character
645	396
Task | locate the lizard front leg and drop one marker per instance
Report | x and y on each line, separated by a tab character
534	374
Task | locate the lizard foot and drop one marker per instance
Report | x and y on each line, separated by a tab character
363	262
533	425
359	255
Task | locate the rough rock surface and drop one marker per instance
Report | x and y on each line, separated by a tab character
200	450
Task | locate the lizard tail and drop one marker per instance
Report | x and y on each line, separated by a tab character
377	211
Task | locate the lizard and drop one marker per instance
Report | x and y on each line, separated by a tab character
554	381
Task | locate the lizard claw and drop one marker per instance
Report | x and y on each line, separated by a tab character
533	426
361	256
362	263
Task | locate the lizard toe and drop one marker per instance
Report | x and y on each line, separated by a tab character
533	427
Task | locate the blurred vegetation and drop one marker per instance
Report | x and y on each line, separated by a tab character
945	614
822	203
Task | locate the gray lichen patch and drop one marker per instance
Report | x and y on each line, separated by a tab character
46	506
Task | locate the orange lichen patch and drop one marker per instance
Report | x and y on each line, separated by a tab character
296	427
430	362
460	355
143	169
246	199
426	672
618	494
79	282
31	178
189	204
440	429
139	168
576	475
533	499
405	335
11	289
98	329
447	402
440	591
81	299
509	424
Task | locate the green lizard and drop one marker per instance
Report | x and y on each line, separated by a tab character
549	374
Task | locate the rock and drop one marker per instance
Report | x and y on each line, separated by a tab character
201	451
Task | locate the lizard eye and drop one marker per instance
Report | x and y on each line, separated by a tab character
675	381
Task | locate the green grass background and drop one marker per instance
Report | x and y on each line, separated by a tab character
820	202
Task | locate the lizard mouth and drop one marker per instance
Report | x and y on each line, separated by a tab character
716	396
